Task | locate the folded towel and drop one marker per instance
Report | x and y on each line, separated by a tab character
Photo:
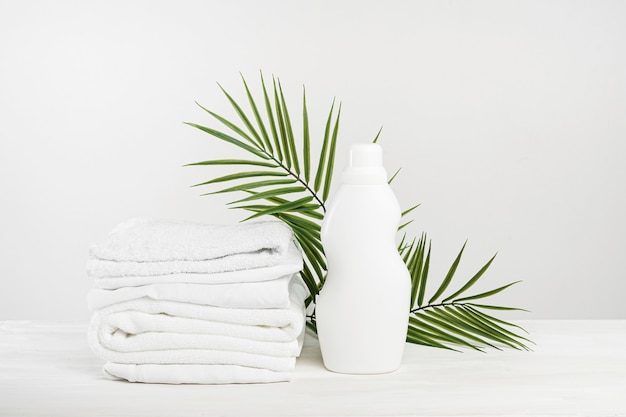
146	331
192	374
181	302
236	268
263	294
154	240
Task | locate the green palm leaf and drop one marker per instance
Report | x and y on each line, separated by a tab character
446	281
266	210
421	282
308	225
324	150
253	185
403	225
417	266
293	189
242	115
377	135
257	116
240	175
472	280
495	320
418	324
405	212
232	126
393	177
445	317
419	335
488	293
234	162
306	139
270	193
230	139
288	130
270	117
456	319
330	163
282	130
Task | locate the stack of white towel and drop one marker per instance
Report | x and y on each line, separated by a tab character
181	302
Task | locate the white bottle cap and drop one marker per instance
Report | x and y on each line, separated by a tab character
366	155
366	165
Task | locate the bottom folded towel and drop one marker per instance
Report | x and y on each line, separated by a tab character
161	341
192	374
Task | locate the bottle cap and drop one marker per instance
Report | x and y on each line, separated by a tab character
366	155
366	165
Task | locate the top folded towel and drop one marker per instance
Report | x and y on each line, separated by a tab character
152	240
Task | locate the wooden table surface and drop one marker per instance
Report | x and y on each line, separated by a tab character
578	368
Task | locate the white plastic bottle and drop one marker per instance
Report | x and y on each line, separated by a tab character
362	311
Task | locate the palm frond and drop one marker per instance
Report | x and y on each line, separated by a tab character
455	320
279	181
285	190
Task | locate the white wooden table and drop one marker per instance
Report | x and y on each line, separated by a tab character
577	368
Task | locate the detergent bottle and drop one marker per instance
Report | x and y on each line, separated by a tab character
362	310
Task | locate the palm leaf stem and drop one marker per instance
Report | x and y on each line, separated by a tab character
429	306
297	178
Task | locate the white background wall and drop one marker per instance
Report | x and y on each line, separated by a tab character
507	117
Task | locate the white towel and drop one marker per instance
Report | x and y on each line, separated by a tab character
154	240
146	331
263	294
244	268
192	374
